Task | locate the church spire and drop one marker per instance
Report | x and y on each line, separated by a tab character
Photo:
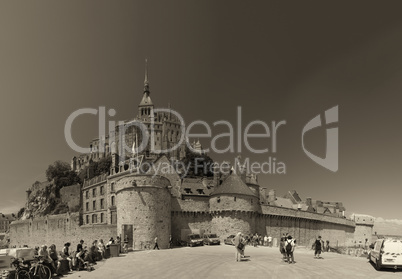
146	82
146	105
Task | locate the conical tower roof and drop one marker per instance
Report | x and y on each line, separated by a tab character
146	100
233	185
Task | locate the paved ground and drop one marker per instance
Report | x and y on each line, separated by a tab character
219	262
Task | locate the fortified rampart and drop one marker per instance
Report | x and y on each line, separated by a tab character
57	229
273	221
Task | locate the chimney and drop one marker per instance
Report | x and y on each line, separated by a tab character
309	202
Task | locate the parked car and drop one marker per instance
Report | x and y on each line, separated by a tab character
211	238
387	253
229	240
194	240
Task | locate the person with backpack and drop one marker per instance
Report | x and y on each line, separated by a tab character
318	246
289	248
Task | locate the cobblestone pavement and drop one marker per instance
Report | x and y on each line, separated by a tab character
219	262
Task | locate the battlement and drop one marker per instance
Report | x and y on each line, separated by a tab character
361	219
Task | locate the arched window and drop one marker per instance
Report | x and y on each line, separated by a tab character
94	219
113	201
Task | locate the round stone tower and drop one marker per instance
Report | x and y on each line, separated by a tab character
234	207
143	205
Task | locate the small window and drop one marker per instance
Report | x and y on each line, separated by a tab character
234	198
94	205
188	190
102	206
87	206
94	218
94	192
200	191
102	190
87	194
218	199
112	187
102	220
112	202
87	219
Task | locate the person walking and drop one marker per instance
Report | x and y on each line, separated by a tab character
118	242
101	248
265	240
289	248
170	242
237	242
318	245
156	243
125	245
282	248
270	241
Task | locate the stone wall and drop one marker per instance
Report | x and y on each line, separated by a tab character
226	223
191	203
57	229
234	202
143	202
362	233
305	227
190	222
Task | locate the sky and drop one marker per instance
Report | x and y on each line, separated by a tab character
277	60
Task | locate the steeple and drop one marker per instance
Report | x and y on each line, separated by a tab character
145	107
146	82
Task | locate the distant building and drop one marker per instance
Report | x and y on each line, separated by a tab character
364	229
5	221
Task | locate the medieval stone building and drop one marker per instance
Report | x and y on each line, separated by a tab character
144	204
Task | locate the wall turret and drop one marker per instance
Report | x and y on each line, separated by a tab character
143	204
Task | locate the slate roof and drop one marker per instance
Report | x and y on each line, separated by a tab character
233	185
283	202
195	184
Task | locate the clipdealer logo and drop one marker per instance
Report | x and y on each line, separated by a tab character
117	132
330	161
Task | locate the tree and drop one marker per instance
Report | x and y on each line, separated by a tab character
96	168
199	165
20	213
62	175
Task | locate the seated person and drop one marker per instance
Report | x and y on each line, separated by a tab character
53	255
66	255
47	261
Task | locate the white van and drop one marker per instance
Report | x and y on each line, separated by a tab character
387	253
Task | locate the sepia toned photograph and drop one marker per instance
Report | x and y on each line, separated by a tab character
200	139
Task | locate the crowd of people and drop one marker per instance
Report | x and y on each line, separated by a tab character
257	240
81	258
287	245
